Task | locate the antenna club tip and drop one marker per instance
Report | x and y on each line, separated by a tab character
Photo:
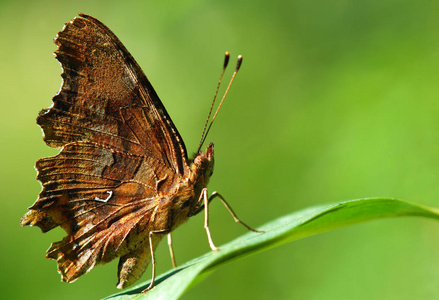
226	59
238	64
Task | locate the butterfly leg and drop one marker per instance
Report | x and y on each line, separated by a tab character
205	205
203	196
171	251
151	247
229	208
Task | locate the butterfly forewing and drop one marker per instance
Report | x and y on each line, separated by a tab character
106	98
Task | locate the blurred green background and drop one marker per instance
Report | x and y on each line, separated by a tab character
335	100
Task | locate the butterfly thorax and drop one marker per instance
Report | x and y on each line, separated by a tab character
186	200
202	170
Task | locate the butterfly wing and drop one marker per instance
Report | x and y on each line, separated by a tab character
118	148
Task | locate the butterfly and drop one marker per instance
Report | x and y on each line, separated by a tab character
122	179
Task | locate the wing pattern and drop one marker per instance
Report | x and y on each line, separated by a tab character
119	147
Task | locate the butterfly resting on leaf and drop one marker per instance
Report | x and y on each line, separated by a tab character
122	180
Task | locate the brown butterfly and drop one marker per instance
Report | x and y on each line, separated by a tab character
122	179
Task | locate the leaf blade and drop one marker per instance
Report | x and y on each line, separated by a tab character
304	223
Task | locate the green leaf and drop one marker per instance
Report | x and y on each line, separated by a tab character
307	222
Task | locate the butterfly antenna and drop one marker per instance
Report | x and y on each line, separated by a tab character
226	62
206	132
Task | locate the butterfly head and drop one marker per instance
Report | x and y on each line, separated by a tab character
204	162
